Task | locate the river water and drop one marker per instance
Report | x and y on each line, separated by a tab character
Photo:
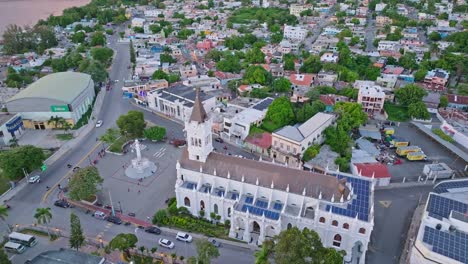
28	12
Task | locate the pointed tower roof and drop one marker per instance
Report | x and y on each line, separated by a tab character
198	111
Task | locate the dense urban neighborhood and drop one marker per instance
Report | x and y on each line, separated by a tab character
252	131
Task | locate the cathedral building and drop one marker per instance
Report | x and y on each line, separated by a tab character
260	198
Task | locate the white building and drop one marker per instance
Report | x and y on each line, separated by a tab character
260	198
388	45
297	9
153	12
11	127
177	102
443	233
298	33
138	22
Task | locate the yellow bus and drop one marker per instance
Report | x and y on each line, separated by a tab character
403	151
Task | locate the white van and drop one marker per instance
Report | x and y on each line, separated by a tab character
14	247
99	215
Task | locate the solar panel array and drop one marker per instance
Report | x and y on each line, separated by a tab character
278	206
450	244
440	207
442	187
360	204
259	211
249	199
263	104
191	185
261	203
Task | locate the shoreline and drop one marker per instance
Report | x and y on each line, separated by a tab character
29	12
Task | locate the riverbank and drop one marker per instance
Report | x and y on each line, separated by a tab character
28	12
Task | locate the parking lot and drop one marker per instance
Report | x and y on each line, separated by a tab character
436	153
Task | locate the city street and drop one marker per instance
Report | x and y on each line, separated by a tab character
33	196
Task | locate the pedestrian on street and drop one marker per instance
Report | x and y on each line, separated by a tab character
128	189
139	191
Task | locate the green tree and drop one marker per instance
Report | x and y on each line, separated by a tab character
462	89
3	216
56	120
311	65
110	136
230	63
138	30
43	216
165	57
434	36
95	69
159	75
103	55
13	161
279	114
408	61
77	239
420	74
262	256
350	115
418	110
84	183
311	152
337	139
132	124
4	257
206	251
160	217
185	33
409	94
443	101
155	133
281	85
255	55
309	110
98	39
124	242
78	37
132	53
257	74
313	94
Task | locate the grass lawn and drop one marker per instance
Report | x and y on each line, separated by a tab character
35	232
396	112
254	130
4	184
117	145
139	259
67	136
442	135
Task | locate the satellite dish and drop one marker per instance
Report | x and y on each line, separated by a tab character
438	226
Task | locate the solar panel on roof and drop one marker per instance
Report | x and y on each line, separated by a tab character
249	200
277	206
444	186
442	206
262	204
450	244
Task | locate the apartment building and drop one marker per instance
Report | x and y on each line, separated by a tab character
297	33
370	96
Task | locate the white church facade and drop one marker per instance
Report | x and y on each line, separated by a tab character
260	199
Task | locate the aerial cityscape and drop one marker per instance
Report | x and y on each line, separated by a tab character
251	131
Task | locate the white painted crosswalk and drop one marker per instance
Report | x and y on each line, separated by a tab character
161	152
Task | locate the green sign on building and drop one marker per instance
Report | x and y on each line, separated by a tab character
59	108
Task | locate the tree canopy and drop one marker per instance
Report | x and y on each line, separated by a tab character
279	113
206	251
132	124
124	242
84	183
409	94
257	74
281	85
103	55
155	133
13	161
77	239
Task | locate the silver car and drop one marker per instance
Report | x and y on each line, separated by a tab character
35	179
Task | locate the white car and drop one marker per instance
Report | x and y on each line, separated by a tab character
99	215
166	243
99	123
35	179
183	237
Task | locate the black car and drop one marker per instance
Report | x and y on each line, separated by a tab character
62	203
220	140
114	219
153	230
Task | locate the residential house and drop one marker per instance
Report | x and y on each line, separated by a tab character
205	44
380	7
294	33
432	100
377	171
259	143
331	99
297	9
300	85
381	21
290	142
370	96
325	78
204	82
458	101
388	45
188	71
436	80
329	57
138	22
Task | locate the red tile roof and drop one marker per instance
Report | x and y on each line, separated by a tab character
306	79
261	140
377	169
327	99
458	99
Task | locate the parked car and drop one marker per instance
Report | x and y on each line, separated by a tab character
178	142
113	219
99	214
166	243
62	203
35	179
214	242
99	123
220	140
183	237
153	230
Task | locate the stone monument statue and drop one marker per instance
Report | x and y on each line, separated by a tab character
141	167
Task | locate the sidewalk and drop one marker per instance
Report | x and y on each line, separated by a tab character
138	222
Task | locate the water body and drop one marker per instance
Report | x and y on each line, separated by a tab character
28	12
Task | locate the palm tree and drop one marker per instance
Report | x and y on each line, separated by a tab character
55	120
4	215
43	216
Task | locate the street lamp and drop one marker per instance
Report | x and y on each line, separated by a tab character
120	207
101	244
17	226
57	231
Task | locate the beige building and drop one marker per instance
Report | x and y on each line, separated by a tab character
290	142
188	71
370	96
297	9
382	21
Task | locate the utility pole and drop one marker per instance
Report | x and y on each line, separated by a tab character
26	174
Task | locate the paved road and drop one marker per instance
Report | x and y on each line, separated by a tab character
27	200
393	211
